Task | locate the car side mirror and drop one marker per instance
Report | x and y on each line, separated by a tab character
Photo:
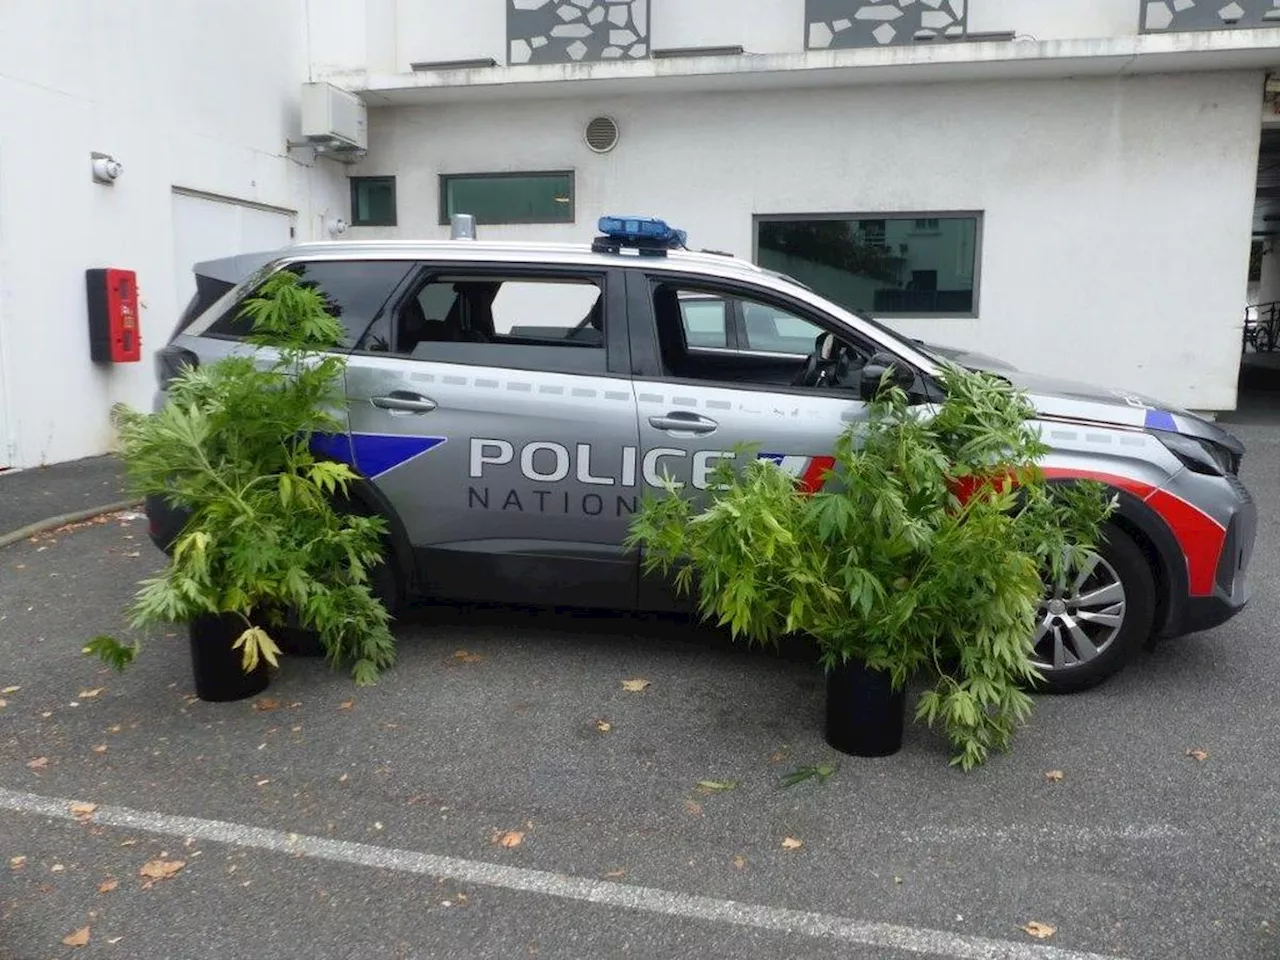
873	372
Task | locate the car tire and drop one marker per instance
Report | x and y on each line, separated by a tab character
1084	608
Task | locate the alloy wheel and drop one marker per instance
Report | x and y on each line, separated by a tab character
1080	619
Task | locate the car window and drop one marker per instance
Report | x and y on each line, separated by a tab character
556	322
705	320
355	291
725	337
769	329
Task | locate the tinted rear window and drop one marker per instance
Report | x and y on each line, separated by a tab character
355	290
208	292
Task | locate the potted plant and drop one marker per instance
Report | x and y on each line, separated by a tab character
925	553
267	544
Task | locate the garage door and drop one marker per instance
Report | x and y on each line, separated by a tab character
207	228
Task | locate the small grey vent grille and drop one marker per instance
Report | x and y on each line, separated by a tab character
602	134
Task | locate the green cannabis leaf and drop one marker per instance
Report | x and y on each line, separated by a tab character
111	651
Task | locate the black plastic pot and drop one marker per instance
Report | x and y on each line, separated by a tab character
865	715
218	669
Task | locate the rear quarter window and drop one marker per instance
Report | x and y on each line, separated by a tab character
354	290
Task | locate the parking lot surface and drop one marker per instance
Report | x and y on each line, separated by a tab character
500	794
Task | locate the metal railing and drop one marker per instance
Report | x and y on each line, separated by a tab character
1262	327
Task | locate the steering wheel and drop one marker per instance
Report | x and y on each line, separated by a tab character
816	364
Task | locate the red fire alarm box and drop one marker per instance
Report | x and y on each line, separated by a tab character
114	336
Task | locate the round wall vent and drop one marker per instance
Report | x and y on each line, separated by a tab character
602	134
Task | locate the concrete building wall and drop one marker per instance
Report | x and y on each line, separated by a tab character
444	30
1115	211
187	94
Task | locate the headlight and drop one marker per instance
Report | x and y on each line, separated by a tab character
1201	456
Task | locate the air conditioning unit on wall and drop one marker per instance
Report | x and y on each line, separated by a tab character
334	122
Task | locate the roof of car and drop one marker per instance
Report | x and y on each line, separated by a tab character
710	263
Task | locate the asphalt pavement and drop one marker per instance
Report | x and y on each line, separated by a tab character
500	794
29	496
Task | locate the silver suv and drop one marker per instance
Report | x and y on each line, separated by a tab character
509	403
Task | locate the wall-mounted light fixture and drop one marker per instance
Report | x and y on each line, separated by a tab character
106	168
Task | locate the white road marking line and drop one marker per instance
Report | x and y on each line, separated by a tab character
601	892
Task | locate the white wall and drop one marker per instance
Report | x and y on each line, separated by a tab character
1055	19
204	98
432	30
1116	212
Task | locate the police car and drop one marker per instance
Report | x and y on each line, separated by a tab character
508	404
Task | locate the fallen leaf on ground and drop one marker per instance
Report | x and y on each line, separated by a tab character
1041	931
604	726
614	874
778	756
83	811
128	843
106	886
114	728
39	763
1053	776
791	843
635	686
90	694
79	938
346	704
17	863
716	786
57	868
1195	753
160	869
693	808
266	704
13	689
466	656
3	703
820	772
740	863
508	838
47	714
100	748
296	728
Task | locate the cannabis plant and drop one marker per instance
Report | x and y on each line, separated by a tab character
266	539
926	552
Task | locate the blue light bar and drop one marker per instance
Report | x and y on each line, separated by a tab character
647	232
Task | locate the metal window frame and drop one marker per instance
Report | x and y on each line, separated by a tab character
446	178
355	207
978	216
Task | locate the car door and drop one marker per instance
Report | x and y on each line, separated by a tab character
492	407
697	402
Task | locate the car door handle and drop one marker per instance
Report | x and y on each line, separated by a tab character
684	423
402	401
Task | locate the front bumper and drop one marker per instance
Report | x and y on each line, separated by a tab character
1232	506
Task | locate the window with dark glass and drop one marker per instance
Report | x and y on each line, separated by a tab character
915	265
508	197
373	201
355	291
